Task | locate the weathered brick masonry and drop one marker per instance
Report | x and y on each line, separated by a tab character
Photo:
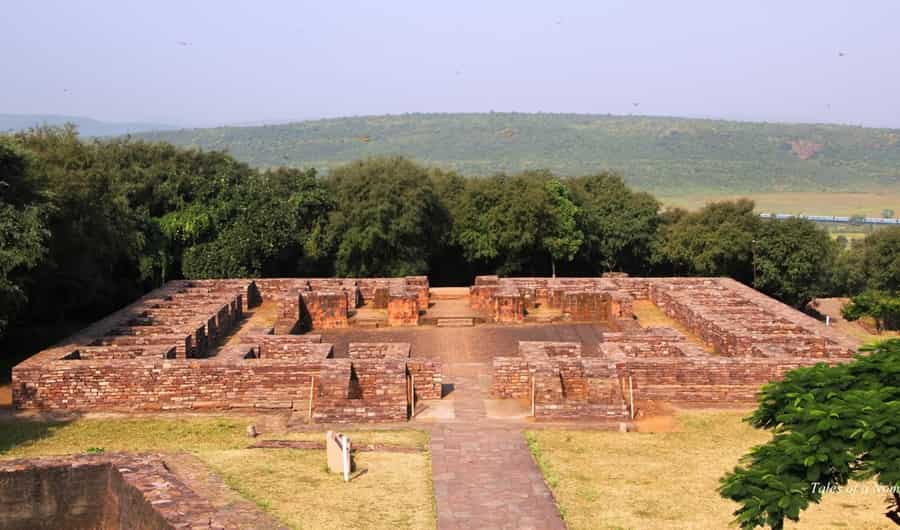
755	340
110	491
167	351
579	299
164	353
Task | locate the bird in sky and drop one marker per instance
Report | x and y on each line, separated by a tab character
841	54
636	103
183	43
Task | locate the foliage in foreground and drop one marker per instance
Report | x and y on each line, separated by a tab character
830	425
883	307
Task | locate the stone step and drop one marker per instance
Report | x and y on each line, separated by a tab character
369	323
455	322
448	293
543	319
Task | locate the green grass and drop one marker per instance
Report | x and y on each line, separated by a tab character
606	480
391	490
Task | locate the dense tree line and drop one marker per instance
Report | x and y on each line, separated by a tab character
86	226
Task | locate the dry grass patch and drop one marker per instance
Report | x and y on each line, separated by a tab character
415	439
21	439
669	480
391	490
649	315
809	203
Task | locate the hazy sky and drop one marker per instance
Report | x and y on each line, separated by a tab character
204	62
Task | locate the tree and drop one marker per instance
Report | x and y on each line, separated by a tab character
872	263
714	241
22	232
887	213
883	307
792	260
272	226
619	224
386	219
830	424
881	259
857	219
562	238
499	223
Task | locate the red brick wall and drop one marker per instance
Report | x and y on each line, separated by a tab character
427	377
384	392
325	309
403	309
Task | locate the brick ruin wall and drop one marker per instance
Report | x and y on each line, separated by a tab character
560	382
119	363
316	304
755	340
508	300
155	354
110	491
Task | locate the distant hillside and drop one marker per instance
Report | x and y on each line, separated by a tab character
86	126
663	155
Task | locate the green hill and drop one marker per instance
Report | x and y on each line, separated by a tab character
664	155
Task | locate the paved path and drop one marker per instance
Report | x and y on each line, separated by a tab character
484	475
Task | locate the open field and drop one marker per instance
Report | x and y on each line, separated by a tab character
391	490
810	203
669	479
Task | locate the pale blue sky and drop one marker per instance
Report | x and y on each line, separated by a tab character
249	61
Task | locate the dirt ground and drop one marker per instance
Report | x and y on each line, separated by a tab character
473	344
5	396
832	308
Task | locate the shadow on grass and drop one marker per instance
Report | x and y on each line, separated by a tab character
15	432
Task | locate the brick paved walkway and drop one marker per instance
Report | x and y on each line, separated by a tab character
484	475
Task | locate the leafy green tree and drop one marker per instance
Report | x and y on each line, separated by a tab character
831	425
22	232
272	225
500	223
881	259
92	257
562	238
792	260
872	263
883	307
386	220
887	213
714	241
619	224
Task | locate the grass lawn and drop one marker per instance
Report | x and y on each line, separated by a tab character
391	490
669	480
810	203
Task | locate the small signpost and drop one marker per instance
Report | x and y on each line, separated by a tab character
337	449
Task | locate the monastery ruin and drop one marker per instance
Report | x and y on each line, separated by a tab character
376	349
